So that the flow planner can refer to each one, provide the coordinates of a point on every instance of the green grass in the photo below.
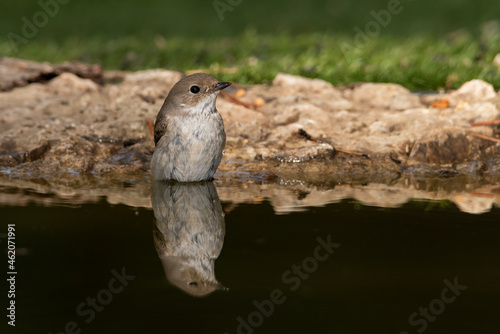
(259, 39)
(418, 63)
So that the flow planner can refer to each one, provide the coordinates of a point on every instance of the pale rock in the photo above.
(151, 84)
(305, 116)
(283, 133)
(480, 112)
(152, 76)
(334, 104)
(379, 127)
(385, 96)
(68, 82)
(316, 91)
(298, 83)
(242, 122)
(473, 91)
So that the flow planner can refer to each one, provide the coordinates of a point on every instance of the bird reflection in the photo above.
(188, 233)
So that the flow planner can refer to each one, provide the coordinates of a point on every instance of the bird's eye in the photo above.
(194, 89)
(193, 283)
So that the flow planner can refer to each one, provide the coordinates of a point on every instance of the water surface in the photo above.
(262, 264)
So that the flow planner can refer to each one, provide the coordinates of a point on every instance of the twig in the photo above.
(482, 192)
(496, 121)
(485, 195)
(351, 152)
(496, 140)
(488, 188)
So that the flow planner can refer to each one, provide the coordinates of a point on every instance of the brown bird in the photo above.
(189, 131)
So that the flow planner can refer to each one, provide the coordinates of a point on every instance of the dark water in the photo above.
(340, 268)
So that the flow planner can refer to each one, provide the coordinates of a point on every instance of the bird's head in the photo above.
(196, 91)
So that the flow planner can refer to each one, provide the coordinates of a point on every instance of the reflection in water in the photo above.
(188, 233)
(469, 193)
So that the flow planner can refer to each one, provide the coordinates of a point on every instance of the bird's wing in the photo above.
(160, 128)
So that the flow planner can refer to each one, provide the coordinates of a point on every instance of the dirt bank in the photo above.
(78, 119)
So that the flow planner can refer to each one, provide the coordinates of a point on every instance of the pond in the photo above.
(252, 257)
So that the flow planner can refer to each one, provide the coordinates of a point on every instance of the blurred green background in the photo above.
(423, 44)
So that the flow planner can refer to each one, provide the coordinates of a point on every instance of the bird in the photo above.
(189, 131)
(188, 233)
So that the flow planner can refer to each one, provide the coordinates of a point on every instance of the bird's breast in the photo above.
(191, 149)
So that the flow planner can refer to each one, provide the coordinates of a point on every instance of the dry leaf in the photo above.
(240, 93)
(441, 104)
(259, 102)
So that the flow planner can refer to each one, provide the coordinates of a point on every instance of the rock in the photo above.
(473, 91)
(304, 115)
(454, 146)
(316, 91)
(334, 105)
(152, 77)
(251, 130)
(14, 159)
(479, 112)
(68, 83)
(72, 124)
(295, 82)
(93, 72)
(18, 73)
(385, 96)
(151, 85)
(448, 146)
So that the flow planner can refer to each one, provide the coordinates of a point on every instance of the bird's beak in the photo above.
(221, 287)
(221, 85)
